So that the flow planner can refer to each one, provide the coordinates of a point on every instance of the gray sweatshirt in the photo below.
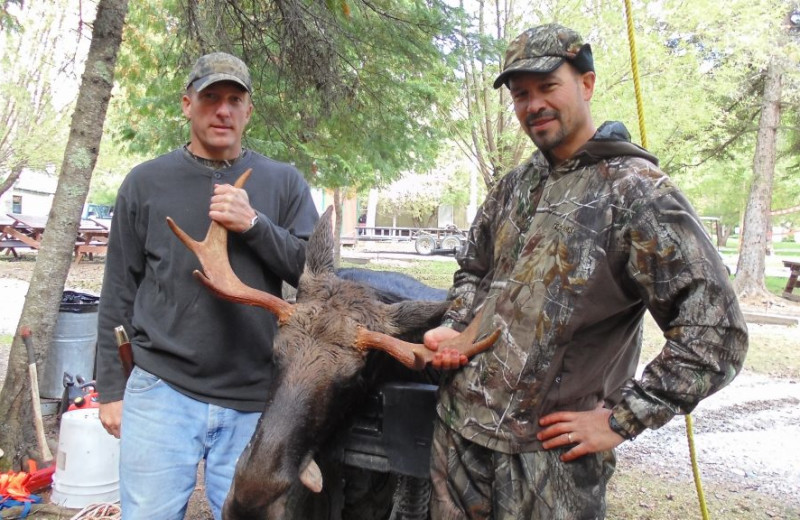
(210, 349)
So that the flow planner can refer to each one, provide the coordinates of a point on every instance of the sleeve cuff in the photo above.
(626, 421)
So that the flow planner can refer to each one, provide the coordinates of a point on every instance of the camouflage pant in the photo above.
(474, 482)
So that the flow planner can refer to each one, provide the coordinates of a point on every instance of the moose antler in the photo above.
(415, 355)
(217, 273)
(218, 276)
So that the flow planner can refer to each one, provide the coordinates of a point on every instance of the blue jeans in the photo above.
(165, 434)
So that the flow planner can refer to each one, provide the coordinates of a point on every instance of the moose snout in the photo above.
(252, 497)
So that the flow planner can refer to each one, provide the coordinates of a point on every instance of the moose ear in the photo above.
(319, 252)
(414, 318)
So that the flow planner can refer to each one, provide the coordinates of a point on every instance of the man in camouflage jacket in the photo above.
(564, 257)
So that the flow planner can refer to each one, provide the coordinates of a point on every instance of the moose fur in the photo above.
(318, 377)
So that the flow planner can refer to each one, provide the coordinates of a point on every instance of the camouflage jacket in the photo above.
(564, 261)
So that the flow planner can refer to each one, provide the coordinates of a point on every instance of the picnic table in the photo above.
(22, 231)
(25, 231)
(793, 281)
(92, 239)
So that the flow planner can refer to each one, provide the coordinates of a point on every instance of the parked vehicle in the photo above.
(99, 211)
(449, 241)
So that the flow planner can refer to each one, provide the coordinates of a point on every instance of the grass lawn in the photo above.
(776, 284)
(637, 495)
(430, 272)
(787, 248)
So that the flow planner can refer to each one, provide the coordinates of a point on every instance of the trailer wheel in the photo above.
(451, 242)
(425, 245)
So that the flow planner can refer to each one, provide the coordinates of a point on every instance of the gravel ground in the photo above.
(744, 436)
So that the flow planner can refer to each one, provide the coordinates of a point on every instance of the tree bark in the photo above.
(750, 281)
(337, 230)
(9, 181)
(41, 306)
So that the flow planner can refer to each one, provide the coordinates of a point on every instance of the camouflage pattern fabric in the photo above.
(534, 485)
(219, 66)
(542, 49)
(565, 261)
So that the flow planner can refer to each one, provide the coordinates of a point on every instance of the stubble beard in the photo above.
(546, 140)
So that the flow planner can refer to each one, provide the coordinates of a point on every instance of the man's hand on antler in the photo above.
(447, 358)
(230, 206)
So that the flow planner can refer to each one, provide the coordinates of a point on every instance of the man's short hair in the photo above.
(544, 48)
(219, 66)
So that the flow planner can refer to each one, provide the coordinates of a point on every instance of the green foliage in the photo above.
(354, 93)
(700, 82)
(34, 64)
(350, 89)
(723, 94)
(145, 114)
(8, 20)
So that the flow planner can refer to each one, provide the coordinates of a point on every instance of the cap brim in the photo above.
(540, 65)
(205, 81)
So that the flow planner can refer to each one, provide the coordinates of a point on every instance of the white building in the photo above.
(32, 194)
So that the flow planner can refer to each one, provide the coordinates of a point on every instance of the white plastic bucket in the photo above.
(87, 462)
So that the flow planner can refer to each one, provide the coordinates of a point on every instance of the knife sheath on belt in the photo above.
(125, 351)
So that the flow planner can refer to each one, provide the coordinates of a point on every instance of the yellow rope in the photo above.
(635, 69)
(640, 111)
(695, 469)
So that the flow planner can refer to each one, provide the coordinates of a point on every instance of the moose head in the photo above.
(319, 351)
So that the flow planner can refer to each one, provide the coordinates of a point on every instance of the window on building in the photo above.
(16, 204)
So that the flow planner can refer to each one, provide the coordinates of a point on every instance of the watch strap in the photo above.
(253, 223)
(616, 427)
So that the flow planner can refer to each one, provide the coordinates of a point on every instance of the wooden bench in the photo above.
(92, 240)
(27, 230)
(794, 280)
(8, 245)
(89, 250)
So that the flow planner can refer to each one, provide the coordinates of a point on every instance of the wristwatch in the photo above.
(253, 222)
(617, 428)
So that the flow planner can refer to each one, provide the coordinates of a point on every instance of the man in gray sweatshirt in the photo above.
(202, 364)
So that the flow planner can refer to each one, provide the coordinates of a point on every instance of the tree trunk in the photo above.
(9, 181)
(750, 282)
(486, 141)
(53, 260)
(725, 234)
(337, 226)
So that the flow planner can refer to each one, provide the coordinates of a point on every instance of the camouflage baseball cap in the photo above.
(219, 66)
(543, 49)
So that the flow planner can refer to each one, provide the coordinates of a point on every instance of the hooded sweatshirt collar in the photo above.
(611, 139)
